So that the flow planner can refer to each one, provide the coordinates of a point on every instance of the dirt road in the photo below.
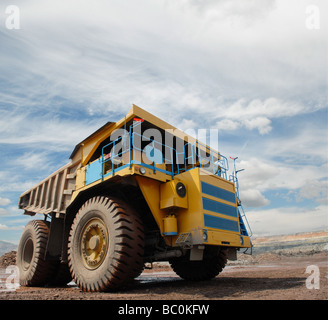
(268, 277)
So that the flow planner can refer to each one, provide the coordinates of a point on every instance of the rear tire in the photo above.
(34, 270)
(213, 263)
(106, 245)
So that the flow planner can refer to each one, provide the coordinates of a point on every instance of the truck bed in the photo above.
(53, 194)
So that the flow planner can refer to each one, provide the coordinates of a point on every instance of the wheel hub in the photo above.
(94, 243)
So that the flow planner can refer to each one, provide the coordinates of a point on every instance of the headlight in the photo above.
(181, 189)
(205, 236)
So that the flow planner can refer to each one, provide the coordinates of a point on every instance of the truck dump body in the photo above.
(163, 189)
(52, 195)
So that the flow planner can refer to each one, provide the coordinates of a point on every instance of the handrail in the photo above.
(243, 216)
(112, 155)
(155, 143)
(233, 177)
(219, 162)
(192, 154)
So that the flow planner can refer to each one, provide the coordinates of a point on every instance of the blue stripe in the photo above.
(170, 233)
(218, 192)
(220, 223)
(219, 207)
(152, 167)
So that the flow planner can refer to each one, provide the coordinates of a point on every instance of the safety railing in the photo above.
(115, 156)
(244, 225)
(233, 177)
(152, 154)
(135, 148)
(204, 157)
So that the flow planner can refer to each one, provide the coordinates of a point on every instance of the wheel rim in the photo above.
(94, 243)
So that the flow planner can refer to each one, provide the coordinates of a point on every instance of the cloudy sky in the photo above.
(255, 70)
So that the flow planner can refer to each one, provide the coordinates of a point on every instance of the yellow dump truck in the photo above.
(136, 191)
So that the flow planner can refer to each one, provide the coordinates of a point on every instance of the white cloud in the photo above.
(273, 174)
(4, 201)
(11, 211)
(260, 123)
(186, 124)
(32, 160)
(287, 220)
(253, 198)
(227, 124)
(187, 55)
(257, 114)
(3, 212)
(257, 174)
(315, 190)
(43, 131)
(4, 227)
(303, 182)
(18, 184)
(255, 180)
(307, 146)
(268, 108)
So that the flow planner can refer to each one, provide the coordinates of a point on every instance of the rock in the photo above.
(8, 259)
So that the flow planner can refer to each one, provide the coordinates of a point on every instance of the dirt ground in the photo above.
(264, 277)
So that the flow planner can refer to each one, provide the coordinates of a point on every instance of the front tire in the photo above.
(34, 270)
(106, 245)
(213, 263)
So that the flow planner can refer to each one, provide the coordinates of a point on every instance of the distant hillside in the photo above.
(292, 237)
(6, 247)
(299, 242)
